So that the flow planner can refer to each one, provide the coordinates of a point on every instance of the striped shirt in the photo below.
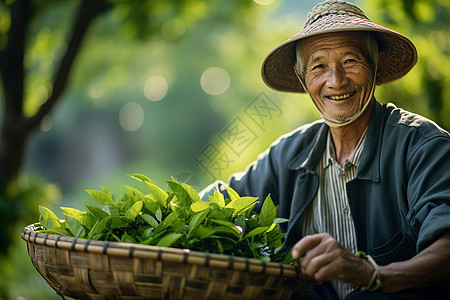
(330, 211)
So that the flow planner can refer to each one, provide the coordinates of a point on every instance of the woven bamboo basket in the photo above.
(89, 269)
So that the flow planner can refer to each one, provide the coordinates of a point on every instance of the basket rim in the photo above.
(164, 254)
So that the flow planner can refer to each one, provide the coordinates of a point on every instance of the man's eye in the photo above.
(318, 66)
(350, 60)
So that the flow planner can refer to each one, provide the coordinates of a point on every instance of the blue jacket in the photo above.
(399, 199)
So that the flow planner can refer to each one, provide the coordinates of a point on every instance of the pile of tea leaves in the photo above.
(175, 217)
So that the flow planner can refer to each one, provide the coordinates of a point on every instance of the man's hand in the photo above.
(324, 259)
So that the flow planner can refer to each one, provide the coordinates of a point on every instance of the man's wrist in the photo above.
(374, 282)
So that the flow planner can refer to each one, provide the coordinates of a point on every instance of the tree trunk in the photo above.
(16, 128)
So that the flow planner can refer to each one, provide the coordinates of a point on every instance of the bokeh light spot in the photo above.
(155, 88)
(131, 116)
(215, 81)
(173, 29)
(96, 90)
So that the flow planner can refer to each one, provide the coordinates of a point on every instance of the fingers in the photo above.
(323, 258)
(306, 243)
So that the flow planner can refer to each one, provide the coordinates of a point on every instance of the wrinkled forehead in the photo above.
(357, 41)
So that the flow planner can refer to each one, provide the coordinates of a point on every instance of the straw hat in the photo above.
(397, 52)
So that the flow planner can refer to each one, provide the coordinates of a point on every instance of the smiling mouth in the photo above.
(341, 97)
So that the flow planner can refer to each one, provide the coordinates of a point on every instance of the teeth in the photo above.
(339, 97)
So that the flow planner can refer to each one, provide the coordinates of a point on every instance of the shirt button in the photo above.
(346, 210)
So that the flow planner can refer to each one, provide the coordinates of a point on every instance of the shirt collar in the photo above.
(354, 159)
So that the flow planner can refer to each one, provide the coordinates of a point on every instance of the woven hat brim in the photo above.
(398, 53)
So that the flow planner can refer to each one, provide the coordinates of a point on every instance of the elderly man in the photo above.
(369, 177)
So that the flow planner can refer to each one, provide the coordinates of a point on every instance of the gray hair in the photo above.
(372, 47)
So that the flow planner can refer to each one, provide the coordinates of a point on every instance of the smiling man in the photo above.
(368, 178)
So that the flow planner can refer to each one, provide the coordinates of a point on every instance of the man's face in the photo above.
(339, 76)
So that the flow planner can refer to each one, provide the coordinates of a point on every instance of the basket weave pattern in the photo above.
(88, 269)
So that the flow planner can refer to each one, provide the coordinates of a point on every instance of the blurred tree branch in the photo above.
(16, 127)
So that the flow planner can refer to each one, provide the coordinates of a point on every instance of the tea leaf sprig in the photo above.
(176, 217)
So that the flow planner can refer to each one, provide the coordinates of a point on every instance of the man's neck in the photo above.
(346, 138)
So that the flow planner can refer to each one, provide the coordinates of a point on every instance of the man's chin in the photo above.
(341, 119)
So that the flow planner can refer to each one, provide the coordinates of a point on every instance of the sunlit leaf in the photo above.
(241, 204)
(77, 214)
(96, 212)
(141, 177)
(133, 211)
(232, 193)
(218, 199)
(47, 218)
(100, 197)
(159, 194)
(268, 212)
(199, 206)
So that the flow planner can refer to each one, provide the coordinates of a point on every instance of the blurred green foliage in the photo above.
(426, 89)
(18, 207)
(82, 144)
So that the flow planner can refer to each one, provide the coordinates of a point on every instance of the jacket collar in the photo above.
(369, 166)
(309, 159)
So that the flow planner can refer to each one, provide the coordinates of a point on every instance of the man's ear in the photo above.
(380, 67)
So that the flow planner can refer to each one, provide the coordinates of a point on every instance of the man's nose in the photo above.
(337, 78)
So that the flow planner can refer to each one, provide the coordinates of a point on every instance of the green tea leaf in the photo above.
(280, 220)
(112, 208)
(197, 219)
(47, 218)
(108, 192)
(218, 199)
(182, 195)
(268, 212)
(77, 214)
(199, 206)
(159, 194)
(158, 214)
(96, 212)
(225, 229)
(169, 239)
(58, 231)
(126, 238)
(151, 204)
(166, 222)
(87, 220)
(98, 227)
(75, 227)
(100, 197)
(134, 192)
(150, 220)
(256, 231)
(191, 192)
(241, 204)
(141, 177)
(204, 232)
(232, 193)
(227, 224)
(133, 211)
